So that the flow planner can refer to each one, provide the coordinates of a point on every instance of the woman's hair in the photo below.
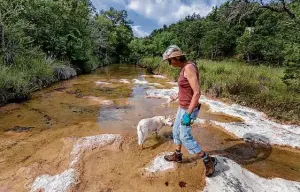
(181, 58)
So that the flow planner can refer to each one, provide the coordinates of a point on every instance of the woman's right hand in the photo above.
(173, 97)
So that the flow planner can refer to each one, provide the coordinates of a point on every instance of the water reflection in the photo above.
(122, 117)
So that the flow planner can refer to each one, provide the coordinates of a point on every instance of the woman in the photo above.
(189, 107)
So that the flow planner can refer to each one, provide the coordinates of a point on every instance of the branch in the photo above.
(292, 15)
(278, 9)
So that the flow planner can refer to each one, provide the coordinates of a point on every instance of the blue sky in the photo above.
(152, 14)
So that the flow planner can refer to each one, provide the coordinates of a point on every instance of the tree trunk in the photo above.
(248, 57)
(2, 42)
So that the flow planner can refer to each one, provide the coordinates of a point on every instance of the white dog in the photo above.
(151, 125)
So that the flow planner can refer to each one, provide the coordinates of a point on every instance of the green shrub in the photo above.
(28, 74)
(292, 76)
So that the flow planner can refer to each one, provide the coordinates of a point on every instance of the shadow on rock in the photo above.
(255, 148)
(155, 141)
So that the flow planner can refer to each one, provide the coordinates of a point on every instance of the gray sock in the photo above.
(204, 157)
(177, 151)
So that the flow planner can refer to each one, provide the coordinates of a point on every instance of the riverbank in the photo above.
(18, 82)
(260, 87)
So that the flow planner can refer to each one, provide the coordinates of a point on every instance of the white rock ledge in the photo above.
(93, 142)
(140, 82)
(56, 183)
(64, 181)
(256, 126)
(102, 83)
(159, 164)
(124, 81)
(155, 76)
(231, 177)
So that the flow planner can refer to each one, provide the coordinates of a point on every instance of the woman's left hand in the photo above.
(186, 119)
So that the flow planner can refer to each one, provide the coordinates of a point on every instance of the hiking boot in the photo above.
(209, 163)
(174, 157)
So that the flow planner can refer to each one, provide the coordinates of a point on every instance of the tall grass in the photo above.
(155, 65)
(13, 84)
(255, 86)
(28, 74)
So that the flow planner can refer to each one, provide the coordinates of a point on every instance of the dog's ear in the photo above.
(165, 117)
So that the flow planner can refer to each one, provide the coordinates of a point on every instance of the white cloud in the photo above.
(99, 5)
(163, 11)
(170, 11)
(103, 4)
(138, 32)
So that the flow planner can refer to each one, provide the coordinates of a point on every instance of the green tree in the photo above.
(113, 33)
(101, 35)
(292, 76)
(219, 37)
(162, 40)
(61, 28)
(13, 39)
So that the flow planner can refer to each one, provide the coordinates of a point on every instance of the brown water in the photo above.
(31, 135)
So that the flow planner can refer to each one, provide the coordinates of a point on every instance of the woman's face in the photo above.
(174, 62)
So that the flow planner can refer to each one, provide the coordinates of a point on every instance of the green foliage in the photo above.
(13, 40)
(161, 41)
(60, 28)
(290, 33)
(217, 41)
(292, 76)
(138, 49)
(13, 81)
(261, 43)
(111, 34)
(239, 78)
(20, 79)
(64, 72)
(157, 66)
(151, 63)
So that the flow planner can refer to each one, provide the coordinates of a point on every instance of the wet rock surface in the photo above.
(79, 108)
(70, 177)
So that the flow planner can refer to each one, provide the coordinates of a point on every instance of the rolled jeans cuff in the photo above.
(177, 142)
